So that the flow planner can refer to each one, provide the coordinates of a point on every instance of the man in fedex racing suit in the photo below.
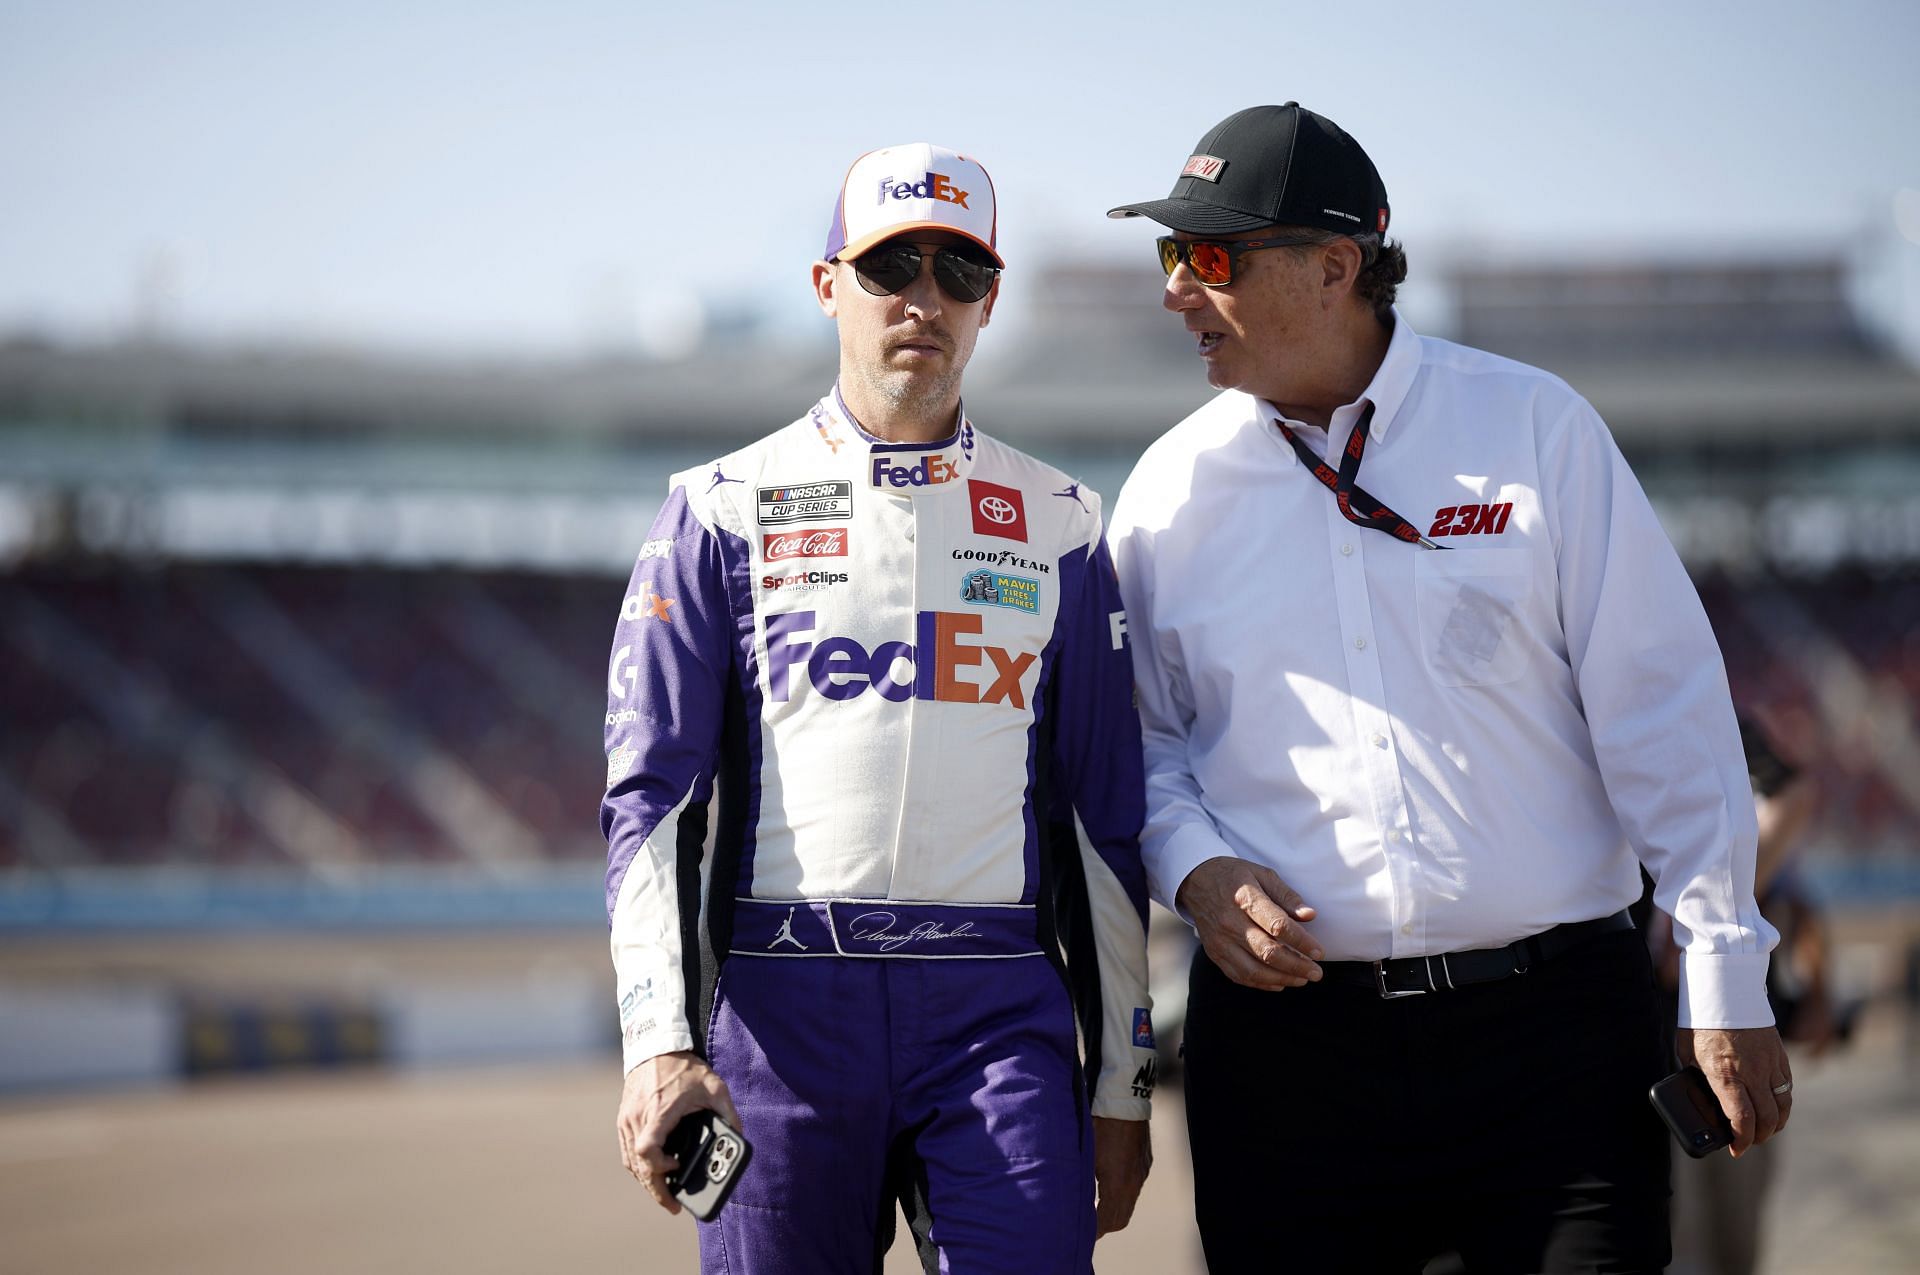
(873, 819)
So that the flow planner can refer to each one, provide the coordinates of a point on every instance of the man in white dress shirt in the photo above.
(1423, 684)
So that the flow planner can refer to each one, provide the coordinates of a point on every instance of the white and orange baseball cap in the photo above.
(918, 186)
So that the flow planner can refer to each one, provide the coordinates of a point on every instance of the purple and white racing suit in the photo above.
(873, 799)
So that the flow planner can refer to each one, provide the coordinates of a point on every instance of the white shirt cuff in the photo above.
(1189, 846)
(1724, 990)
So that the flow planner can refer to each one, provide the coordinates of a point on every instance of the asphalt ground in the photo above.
(515, 1169)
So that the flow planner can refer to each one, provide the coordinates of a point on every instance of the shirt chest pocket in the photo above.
(1472, 614)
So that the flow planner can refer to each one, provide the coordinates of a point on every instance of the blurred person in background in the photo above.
(1411, 728)
(873, 766)
(1718, 1202)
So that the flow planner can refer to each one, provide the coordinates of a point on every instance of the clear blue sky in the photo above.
(545, 176)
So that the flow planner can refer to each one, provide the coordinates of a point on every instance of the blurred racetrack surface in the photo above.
(514, 1170)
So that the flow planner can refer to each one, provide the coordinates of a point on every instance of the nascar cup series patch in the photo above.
(829, 501)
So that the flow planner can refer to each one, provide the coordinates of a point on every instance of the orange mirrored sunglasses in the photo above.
(1212, 260)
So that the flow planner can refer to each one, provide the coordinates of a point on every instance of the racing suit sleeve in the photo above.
(1096, 743)
(666, 690)
(1654, 691)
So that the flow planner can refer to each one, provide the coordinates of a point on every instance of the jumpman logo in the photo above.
(786, 932)
(1073, 493)
(719, 478)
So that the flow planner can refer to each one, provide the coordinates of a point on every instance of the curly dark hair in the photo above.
(1383, 267)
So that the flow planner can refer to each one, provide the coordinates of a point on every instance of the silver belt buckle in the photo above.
(1380, 981)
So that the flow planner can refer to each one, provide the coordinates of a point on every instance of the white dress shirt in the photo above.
(1441, 750)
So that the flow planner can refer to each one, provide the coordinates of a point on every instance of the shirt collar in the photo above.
(901, 469)
(1388, 390)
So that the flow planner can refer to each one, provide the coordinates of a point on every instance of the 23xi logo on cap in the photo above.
(997, 510)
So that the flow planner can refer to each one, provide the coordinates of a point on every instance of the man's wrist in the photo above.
(1724, 990)
(1175, 860)
(1131, 1109)
(636, 1049)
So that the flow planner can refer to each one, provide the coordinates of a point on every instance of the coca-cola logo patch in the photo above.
(827, 543)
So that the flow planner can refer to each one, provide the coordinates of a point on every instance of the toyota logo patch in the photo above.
(997, 510)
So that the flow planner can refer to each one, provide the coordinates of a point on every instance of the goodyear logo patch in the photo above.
(998, 589)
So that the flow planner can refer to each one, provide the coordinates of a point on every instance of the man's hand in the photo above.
(1249, 920)
(1745, 1066)
(658, 1094)
(1122, 1154)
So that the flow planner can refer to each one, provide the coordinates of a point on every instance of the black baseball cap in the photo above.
(1272, 166)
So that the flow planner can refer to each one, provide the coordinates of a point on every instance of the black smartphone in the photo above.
(712, 1155)
(1687, 1103)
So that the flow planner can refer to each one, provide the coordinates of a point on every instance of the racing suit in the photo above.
(873, 799)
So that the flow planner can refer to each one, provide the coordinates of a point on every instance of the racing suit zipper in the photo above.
(912, 532)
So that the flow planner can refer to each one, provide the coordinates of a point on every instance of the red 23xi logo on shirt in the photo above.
(1470, 520)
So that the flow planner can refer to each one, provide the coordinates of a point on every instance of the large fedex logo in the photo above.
(936, 665)
(931, 186)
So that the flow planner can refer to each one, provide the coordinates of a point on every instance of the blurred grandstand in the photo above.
(312, 642)
(302, 669)
(332, 612)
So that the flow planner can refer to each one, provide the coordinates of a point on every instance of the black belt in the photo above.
(1417, 975)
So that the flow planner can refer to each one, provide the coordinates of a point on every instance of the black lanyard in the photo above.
(1355, 504)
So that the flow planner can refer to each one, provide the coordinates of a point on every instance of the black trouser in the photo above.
(1336, 1131)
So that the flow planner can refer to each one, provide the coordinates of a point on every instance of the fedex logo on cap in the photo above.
(935, 666)
(916, 186)
(931, 186)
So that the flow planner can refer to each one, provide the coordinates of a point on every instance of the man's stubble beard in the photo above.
(907, 393)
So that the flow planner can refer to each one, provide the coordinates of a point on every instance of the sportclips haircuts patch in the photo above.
(806, 502)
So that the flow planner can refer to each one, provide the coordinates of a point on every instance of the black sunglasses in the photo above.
(1212, 260)
(885, 270)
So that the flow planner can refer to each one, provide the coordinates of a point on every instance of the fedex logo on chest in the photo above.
(928, 471)
(940, 664)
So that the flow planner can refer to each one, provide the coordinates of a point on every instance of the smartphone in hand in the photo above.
(712, 1155)
(1687, 1103)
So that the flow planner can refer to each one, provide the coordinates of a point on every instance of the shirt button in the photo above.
(1346, 551)
(1359, 644)
(1379, 741)
(909, 532)
(1407, 928)
(1393, 835)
